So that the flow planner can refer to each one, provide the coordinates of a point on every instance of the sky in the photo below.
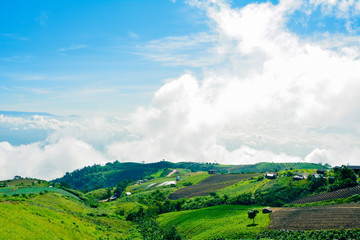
(235, 82)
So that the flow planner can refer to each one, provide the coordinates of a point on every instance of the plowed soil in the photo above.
(345, 216)
(210, 184)
(341, 193)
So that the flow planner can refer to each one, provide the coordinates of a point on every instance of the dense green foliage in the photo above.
(109, 175)
(345, 177)
(120, 188)
(149, 227)
(310, 235)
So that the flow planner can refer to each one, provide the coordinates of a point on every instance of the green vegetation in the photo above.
(222, 222)
(275, 167)
(345, 177)
(252, 214)
(50, 216)
(97, 176)
(36, 190)
(310, 235)
(194, 178)
(198, 206)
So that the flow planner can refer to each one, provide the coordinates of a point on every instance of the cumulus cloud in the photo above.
(47, 161)
(277, 97)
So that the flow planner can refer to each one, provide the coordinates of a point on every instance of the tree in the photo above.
(252, 214)
(345, 177)
(316, 183)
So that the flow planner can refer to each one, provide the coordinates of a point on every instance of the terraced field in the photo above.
(346, 216)
(341, 193)
(210, 184)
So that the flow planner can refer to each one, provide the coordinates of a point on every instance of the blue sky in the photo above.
(54, 54)
(235, 82)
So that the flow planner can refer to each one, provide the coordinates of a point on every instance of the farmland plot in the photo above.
(210, 184)
(341, 193)
(346, 216)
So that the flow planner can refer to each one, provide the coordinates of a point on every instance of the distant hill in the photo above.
(24, 114)
(274, 167)
(109, 175)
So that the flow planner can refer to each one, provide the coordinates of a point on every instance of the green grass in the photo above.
(52, 216)
(194, 178)
(26, 182)
(245, 186)
(226, 221)
(5, 190)
(40, 189)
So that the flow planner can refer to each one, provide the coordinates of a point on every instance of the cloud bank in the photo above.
(270, 95)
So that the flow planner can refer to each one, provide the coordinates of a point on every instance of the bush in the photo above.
(92, 202)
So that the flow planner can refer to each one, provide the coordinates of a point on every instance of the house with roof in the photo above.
(299, 176)
(271, 175)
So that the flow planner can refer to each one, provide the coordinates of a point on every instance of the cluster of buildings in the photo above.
(319, 173)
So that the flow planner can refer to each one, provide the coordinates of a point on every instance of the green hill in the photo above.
(109, 175)
(55, 216)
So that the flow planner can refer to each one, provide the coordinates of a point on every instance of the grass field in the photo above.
(36, 190)
(226, 221)
(51, 216)
(194, 178)
(210, 184)
(245, 186)
(25, 182)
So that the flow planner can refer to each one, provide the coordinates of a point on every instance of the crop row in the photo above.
(342, 193)
(210, 184)
(345, 216)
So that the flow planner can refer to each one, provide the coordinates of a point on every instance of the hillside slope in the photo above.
(52, 216)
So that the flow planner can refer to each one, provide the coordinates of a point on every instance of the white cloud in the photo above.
(134, 35)
(72, 47)
(15, 36)
(46, 161)
(192, 50)
(35, 122)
